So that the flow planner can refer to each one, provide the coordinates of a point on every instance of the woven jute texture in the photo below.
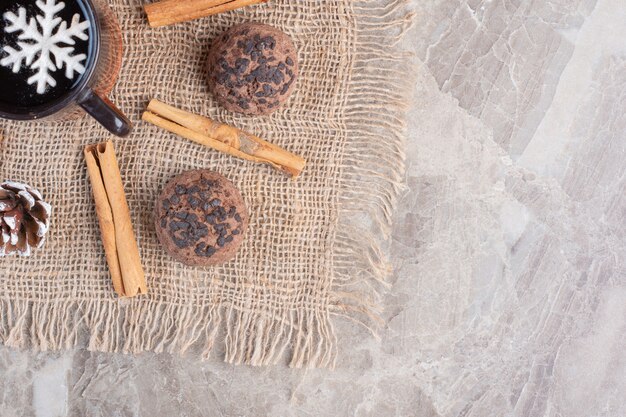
(311, 255)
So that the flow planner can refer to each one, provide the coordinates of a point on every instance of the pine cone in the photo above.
(24, 219)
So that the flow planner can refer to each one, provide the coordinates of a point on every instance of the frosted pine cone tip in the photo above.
(24, 219)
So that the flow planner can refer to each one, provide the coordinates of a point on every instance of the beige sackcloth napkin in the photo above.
(311, 255)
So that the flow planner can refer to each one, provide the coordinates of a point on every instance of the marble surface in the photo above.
(509, 296)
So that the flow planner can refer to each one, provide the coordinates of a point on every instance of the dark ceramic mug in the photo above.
(89, 93)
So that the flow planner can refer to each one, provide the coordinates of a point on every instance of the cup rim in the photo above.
(47, 109)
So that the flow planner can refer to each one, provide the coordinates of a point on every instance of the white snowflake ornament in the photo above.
(40, 44)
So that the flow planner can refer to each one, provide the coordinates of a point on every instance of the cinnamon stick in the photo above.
(168, 12)
(118, 238)
(222, 137)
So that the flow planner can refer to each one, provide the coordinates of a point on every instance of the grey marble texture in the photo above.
(509, 247)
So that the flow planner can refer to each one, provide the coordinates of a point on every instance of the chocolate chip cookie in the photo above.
(201, 218)
(253, 68)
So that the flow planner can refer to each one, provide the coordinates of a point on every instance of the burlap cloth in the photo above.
(311, 252)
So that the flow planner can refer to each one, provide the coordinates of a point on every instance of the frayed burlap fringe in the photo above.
(381, 90)
(251, 337)
(254, 321)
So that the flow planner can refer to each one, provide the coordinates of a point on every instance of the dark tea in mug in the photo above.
(46, 49)
(56, 56)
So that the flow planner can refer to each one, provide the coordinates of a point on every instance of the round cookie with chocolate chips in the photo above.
(253, 68)
(201, 218)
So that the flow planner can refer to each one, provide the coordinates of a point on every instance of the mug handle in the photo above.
(105, 112)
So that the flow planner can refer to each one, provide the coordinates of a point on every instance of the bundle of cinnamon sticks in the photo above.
(116, 228)
(168, 12)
